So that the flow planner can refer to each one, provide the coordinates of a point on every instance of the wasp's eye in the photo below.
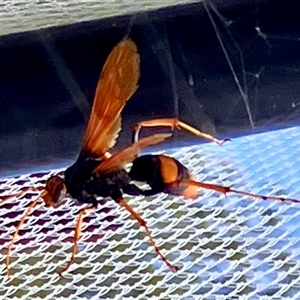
(55, 191)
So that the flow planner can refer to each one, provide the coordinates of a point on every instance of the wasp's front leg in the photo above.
(83, 197)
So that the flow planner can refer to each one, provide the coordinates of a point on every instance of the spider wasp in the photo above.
(98, 173)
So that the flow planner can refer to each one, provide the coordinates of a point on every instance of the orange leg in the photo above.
(226, 189)
(82, 213)
(7, 199)
(27, 213)
(173, 123)
(142, 223)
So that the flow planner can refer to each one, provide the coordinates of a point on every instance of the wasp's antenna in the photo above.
(8, 198)
(27, 213)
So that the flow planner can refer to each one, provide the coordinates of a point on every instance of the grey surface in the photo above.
(21, 15)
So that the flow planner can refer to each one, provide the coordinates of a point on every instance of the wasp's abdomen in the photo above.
(183, 189)
(162, 173)
(173, 171)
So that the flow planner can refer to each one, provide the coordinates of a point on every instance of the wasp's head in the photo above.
(55, 191)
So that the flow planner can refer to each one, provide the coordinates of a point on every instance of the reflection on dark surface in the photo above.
(219, 67)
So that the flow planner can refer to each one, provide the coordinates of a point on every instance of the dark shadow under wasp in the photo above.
(97, 173)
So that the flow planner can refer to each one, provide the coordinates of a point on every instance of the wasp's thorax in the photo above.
(55, 191)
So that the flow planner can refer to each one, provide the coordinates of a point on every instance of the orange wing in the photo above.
(127, 155)
(117, 83)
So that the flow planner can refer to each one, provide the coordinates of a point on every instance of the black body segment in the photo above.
(77, 175)
(111, 184)
(84, 185)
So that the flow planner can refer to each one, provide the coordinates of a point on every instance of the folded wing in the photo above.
(125, 156)
(117, 83)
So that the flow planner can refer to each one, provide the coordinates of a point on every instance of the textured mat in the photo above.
(233, 246)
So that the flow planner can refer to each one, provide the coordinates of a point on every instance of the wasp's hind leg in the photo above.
(226, 189)
(173, 123)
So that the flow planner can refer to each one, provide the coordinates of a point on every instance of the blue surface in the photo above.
(226, 246)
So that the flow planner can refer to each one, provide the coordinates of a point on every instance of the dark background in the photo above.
(48, 77)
